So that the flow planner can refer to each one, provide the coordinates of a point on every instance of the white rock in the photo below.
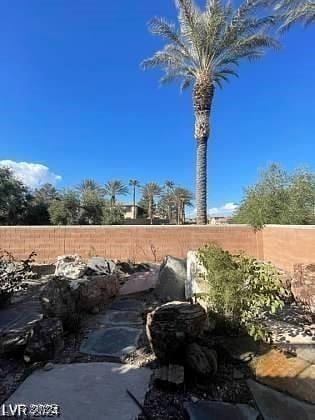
(101, 266)
(195, 282)
(70, 266)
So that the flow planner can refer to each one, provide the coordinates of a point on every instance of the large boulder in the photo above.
(101, 266)
(171, 281)
(303, 284)
(60, 300)
(195, 281)
(65, 299)
(45, 341)
(71, 267)
(95, 291)
(171, 327)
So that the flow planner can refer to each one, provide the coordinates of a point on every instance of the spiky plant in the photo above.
(293, 11)
(204, 50)
(113, 189)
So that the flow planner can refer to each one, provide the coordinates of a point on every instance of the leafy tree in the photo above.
(301, 200)
(37, 210)
(204, 51)
(65, 210)
(293, 11)
(150, 191)
(91, 202)
(113, 215)
(91, 207)
(279, 198)
(14, 198)
(113, 189)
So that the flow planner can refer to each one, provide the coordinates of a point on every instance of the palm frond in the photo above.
(211, 41)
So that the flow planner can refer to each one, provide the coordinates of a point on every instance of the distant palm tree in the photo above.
(182, 198)
(204, 51)
(150, 191)
(113, 189)
(88, 185)
(134, 183)
(169, 187)
(293, 11)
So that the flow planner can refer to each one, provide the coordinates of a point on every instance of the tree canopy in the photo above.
(279, 198)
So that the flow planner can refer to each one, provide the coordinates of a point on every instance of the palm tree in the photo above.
(115, 188)
(181, 197)
(88, 185)
(204, 51)
(169, 186)
(149, 192)
(134, 183)
(296, 10)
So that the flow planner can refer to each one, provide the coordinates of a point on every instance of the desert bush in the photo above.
(241, 289)
(13, 273)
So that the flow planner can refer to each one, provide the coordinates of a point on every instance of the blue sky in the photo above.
(73, 98)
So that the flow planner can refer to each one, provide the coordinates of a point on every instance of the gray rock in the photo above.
(70, 266)
(278, 406)
(87, 390)
(202, 361)
(60, 300)
(171, 280)
(171, 375)
(66, 299)
(102, 266)
(214, 410)
(95, 291)
(45, 341)
(49, 366)
(16, 325)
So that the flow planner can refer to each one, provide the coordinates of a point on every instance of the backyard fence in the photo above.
(284, 246)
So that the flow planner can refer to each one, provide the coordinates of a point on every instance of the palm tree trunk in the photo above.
(134, 202)
(151, 210)
(203, 96)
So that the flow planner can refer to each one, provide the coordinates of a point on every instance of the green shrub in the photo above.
(241, 288)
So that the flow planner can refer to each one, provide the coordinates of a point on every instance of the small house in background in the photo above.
(132, 212)
(219, 220)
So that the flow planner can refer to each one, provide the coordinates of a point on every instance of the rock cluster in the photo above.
(79, 287)
(45, 340)
(13, 275)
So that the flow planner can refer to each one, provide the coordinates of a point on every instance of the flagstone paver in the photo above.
(87, 390)
(275, 405)
(119, 333)
(215, 410)
(113, 342)
(128, 305)
(131, 318)
(287, 373)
